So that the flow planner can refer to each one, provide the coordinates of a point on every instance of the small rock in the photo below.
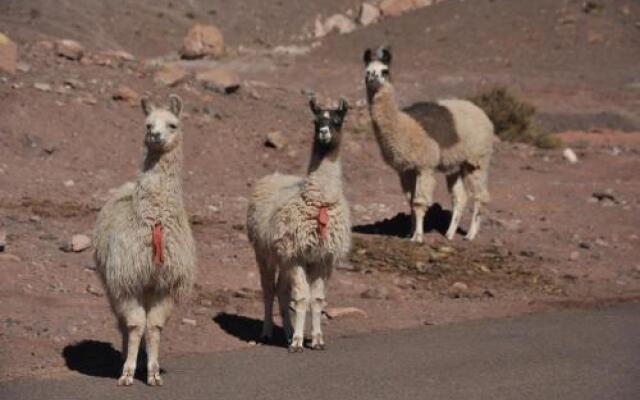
(221, 80)
(394, 8)
(69, 183)
(458, 289)
(489, 293)
(125, 93)
(206, 302)
(23, 67)
(574, 256)
(109, 57)
(530, 197)
(379, 293)
(43, 87)
(77, 244)
(570, 155)
(344, 312)
(584, 245)
(595, 38)
(339, 23)
(276, 140)
(35, 218)
(3, 240)
(94, 291)
(213, 208)
(369, 14)
(189, 321)
(88, 99)
(201, 41)
(592, 6)
(602, 243)
(9, 257)
(74, 83)
(8, 55)
(170, 76)
(69, 49)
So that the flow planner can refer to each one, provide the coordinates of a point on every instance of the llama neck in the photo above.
(384, 113)
(324, 176)
(159, 185)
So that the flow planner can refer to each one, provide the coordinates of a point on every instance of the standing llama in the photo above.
(454, 137)
(300, 229)
(144, 248)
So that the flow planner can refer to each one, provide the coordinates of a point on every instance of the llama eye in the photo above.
(385, 72)
(173, 126)
(149, 127)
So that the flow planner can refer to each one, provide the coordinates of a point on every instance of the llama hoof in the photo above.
(417, 238)
(470, 237)
(317, 343)
(296, 345)
(450, 235)
(125, 380)
(154, 380)
(295, 349)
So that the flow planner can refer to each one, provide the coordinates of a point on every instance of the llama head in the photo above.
(377, 67)
(162, 124)
(328, 123)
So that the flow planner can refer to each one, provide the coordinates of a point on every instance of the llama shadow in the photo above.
(437, 219)
(101, 359)
(248, 329)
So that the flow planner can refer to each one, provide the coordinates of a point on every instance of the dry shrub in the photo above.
(514, 119)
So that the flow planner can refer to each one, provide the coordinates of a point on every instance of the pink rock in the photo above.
(8, 55)
(201, 41)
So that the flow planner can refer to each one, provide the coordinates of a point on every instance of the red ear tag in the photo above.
(158, 258)
(323, 222)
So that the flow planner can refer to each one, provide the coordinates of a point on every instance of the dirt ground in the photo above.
(557, 234)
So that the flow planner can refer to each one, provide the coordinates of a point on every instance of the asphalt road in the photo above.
(577, 354)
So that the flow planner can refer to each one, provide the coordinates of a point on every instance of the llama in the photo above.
(454, 137)
(145, 252)
(300, 229)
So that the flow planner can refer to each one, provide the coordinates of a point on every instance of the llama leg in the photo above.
(408, 183)
(157, 316)
(134, 318)
(283, 289)
(300, 304)
(422, 200)
(318, 296)
(459, 200)
(267, 281)
(477, 180)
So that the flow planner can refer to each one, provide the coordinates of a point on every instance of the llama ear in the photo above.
(175, 105)
(367, 56)
(147, 105)
(314, 106)
(343, 107)
(384, 54)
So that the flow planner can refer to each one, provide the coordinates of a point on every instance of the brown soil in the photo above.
(579, 69)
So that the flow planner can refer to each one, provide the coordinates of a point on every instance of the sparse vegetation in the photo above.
(514, 119)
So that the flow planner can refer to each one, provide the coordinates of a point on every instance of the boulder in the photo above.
(69, 49)
(221, 80)
(125, 93)
(8, 55)
(202, 41)
(368, 15)
(339, 23)
(170, 75)
(276, 140)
